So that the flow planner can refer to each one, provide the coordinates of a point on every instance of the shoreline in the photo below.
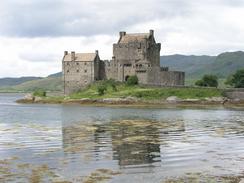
(134, 102)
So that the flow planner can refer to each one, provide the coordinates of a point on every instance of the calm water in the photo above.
(53, 143)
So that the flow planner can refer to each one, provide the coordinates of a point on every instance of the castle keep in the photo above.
(133, 54)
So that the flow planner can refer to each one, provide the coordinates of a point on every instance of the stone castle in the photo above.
(134, 54)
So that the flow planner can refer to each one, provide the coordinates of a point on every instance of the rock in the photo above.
(132, 98)
(215, 99)
(29, 96)
(242, 180)
(119, 100)
(37, 99)
(173, 99)
(191, 100)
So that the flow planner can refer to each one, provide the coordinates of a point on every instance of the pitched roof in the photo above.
(134, 37)
(81, 57)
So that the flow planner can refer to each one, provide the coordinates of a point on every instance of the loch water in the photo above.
(72, 143)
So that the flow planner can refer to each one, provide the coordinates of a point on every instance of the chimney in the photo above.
(72, 56)
(65, 53)
(96, 52)
(151, 32)
(122, 33)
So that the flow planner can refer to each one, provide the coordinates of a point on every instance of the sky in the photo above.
(35, 33)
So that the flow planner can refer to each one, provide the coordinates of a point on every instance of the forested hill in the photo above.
(196, 66)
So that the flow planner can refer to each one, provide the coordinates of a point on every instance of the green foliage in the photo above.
(146, 93)
(236, 80)
(101, 89)
(40, 93)
(112, 83)
(163, 93)
(132, 80)
(208, 81)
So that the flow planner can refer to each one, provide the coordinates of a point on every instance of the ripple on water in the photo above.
(119, 149)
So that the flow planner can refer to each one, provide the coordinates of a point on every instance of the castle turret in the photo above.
(72, 56)
(122, 33)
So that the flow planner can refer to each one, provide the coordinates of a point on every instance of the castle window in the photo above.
(85, 63)
(67, 63)
(85, 71)
(67, 71)
(77, 70)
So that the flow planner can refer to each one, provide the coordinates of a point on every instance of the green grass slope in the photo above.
(47, 84)
(147, 93)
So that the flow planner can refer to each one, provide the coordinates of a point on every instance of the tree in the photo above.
(208, 81)
(132, 80)
(39, 93)
(236, 80)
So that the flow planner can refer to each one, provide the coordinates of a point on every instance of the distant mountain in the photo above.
(15, 81)
(196, 66)
(48, 84)
(58, 74)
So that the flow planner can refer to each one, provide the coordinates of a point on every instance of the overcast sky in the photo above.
(35, 33)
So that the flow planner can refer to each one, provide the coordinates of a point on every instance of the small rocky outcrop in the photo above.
(173, 99)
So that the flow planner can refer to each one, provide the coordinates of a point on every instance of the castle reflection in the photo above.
(128, 142)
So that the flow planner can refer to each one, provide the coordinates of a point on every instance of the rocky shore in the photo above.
(170, 101)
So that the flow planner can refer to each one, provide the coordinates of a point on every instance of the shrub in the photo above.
(132, 80)
(39, 93)
(208, 81)
(101, 89)
(200, 83)
(112, 83)
(236, 80)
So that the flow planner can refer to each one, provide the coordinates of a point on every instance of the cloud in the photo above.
(34, 33)
(43, 56)
(45, 18)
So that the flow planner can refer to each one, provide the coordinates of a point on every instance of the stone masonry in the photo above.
(133, 54)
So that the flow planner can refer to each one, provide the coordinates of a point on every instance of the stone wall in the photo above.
(235, 93)
(111, 70)
(77, 75)
(172, 78)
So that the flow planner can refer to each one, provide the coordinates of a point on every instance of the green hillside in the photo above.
(196, 66)
(15, 81)
(188, 64)
(48, 84)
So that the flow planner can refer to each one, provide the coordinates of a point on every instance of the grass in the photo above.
(147, 93)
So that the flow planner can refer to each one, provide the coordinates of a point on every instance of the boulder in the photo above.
(29, 96)
(37, 99)
(173, 99)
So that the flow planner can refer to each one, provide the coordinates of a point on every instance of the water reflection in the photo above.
(54, 143)
(130, 142)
